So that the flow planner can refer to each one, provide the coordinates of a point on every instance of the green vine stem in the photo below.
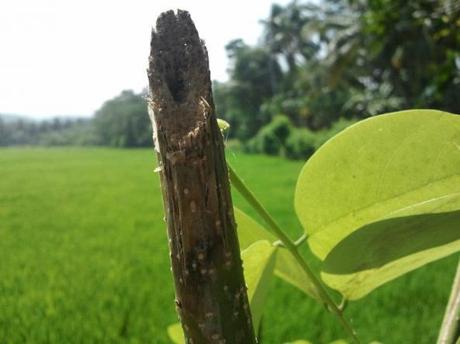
(293, 248)
(450, 329)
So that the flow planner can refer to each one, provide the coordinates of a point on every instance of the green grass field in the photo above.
(84, 258)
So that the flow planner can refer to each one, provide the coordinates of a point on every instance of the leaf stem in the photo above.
(450, 329)
(279, 243)
(292, 247)
(343, 304)
(301, 240)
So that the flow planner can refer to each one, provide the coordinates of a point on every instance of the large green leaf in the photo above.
(389, 248)
(384, 195)
(258, 263)
(287, 268)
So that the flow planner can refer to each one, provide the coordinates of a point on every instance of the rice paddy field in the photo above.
(84, 257)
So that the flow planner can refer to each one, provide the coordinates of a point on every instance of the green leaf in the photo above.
(379, 193)
(176, 334)
(290, 271)
(249, 231)
(223, 125)
(299, 341)
(287, 268)
(258, 262)
(388, 248)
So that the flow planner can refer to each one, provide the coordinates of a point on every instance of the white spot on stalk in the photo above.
(154, 127)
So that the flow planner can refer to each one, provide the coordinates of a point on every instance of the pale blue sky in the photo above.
(63, 57)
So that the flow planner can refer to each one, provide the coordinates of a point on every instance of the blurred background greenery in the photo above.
(317, 68)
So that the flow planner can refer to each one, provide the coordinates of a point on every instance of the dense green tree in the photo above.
(288, 36)
(395, 53)
(120, 122)
(123, 121)
(47, 133)
(4, 133)
(420, 55)
(345, 58)
(253, 72)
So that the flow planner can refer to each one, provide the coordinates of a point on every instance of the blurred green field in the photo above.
(84, 259)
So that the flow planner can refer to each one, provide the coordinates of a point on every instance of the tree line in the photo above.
(342, 60)
(120, 122)
(316, 69)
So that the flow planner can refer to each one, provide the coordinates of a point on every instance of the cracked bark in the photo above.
(211, 297)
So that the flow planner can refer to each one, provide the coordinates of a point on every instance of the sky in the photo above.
(66, 57)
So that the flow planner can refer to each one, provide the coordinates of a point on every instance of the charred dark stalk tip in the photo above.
(211, 295)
